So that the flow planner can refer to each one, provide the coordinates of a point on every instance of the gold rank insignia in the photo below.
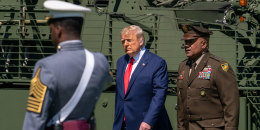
(225, 67)
(36, 94)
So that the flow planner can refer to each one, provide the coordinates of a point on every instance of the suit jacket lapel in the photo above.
(141, 65)
(122, 73)
(200, 66)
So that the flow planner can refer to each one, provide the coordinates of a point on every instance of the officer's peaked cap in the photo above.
(193, 32)
(62, 9)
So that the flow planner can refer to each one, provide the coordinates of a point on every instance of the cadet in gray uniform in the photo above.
(56, 78)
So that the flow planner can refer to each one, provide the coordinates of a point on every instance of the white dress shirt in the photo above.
(136, 61)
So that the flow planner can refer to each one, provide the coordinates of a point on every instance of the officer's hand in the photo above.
(145, 126)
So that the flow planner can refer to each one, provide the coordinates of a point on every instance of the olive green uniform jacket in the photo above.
(208, 98)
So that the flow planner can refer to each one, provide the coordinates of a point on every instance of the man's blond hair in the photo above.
(136, 29)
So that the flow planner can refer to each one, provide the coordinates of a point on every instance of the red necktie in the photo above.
(128, 73)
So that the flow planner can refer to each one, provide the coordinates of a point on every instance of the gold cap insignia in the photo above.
(224, 67)
(36, 94)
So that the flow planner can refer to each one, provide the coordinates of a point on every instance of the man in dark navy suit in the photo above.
(142, 83)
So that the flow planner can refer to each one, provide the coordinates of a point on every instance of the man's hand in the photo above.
(145, 126)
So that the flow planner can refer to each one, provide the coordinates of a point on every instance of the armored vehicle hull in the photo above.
(25, 38)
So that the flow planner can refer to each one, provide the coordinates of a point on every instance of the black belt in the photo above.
(204, 117)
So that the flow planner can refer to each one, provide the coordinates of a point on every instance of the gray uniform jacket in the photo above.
(55, 79)
(208, 98)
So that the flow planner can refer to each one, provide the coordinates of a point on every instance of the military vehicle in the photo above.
(25, 38)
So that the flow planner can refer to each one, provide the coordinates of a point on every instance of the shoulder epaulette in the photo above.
(185, 60)
(223, 64)
(216, 58)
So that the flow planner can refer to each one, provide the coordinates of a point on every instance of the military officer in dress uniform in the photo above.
(208, 96)
(66, 86)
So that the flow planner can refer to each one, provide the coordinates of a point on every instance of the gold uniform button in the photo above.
(203, 93)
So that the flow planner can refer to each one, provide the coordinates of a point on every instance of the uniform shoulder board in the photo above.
(216, 58)
(184, 60)
(223, 64)
(36, 94)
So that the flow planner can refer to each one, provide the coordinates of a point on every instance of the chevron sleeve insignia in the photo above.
(36, 94)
